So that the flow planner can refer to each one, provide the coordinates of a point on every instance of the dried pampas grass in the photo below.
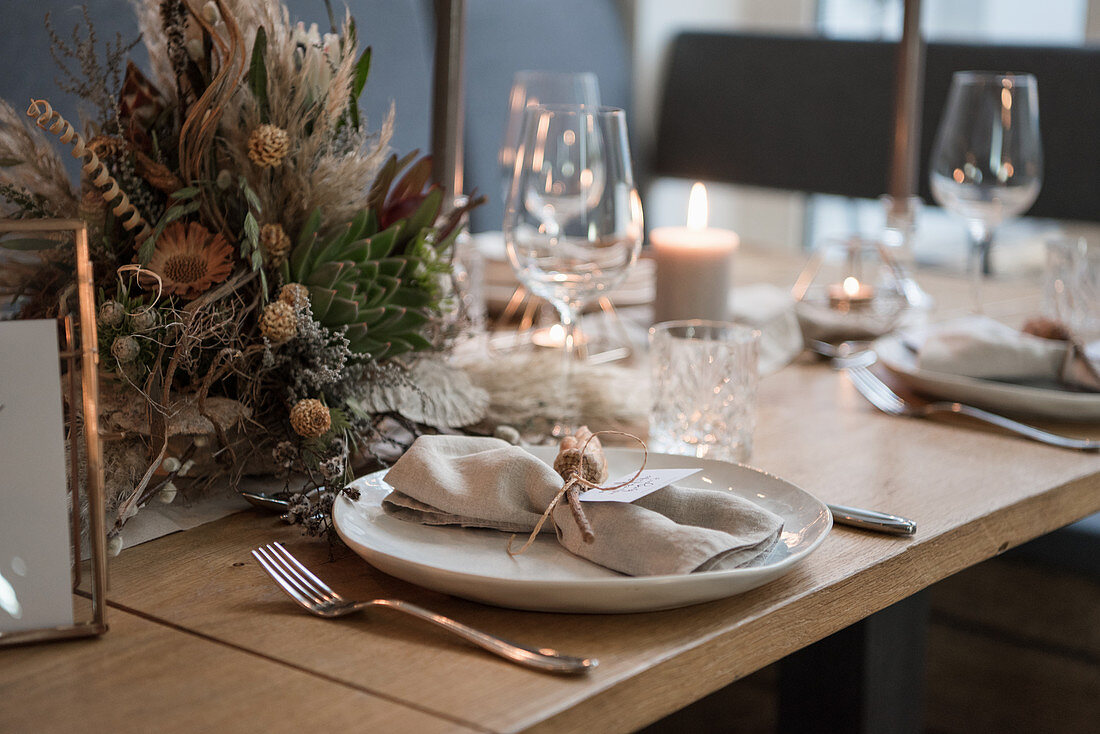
(317, 173)
(31, 163)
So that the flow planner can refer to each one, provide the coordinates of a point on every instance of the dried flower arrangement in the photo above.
(263, 266)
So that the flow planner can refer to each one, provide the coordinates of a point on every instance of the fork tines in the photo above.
(875, 391)
(295, 579)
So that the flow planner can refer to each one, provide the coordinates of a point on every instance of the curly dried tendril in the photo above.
(144, 276)
(51, 121)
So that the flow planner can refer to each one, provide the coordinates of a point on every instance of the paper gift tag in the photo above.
(648, 482)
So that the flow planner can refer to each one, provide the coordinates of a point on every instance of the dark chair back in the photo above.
(815, 115)
(506, 36)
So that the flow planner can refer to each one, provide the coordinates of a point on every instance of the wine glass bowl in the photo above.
(573, 219)
(987, 159)
(532, 88)
(570, 177)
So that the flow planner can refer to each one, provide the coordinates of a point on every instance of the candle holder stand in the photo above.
(850, 290)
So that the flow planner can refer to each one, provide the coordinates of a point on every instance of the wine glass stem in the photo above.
(981, 264)
(981, 239)
(567, 313)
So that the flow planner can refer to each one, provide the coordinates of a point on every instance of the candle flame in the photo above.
(557, 334)
(697, 207)
(850, 286)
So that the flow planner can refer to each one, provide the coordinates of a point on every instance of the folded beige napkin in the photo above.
(770, 309)
(488, 483)
(978, 346)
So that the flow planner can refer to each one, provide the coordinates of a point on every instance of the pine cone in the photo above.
(268, 146)
(275, 243)
(295, 294)
(279, 323)
(310, 418)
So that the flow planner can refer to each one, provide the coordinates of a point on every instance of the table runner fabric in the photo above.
(978, 346)
(488, 483)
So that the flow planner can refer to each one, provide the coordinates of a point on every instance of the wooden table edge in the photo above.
(616, 708)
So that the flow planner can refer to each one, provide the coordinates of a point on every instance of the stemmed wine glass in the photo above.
(572, 218)
(541, 88)
(987, 160)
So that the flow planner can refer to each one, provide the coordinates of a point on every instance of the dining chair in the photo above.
(506, 36)
(815, 115)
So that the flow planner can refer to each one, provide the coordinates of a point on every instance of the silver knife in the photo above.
(872, 520)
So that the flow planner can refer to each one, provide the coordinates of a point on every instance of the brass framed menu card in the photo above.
(50, 456)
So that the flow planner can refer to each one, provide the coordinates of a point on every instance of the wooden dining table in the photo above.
(200, 638)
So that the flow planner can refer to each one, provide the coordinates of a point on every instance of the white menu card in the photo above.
(35, 580)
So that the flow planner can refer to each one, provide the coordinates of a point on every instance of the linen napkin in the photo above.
(978, 346)
(772, 310)
(488, 483)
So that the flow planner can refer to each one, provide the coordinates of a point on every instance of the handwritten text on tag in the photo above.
(648, 482)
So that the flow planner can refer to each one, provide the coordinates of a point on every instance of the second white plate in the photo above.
(473, 564)
(1038, 402)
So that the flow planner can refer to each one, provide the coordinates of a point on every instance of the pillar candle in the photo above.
(694, 265)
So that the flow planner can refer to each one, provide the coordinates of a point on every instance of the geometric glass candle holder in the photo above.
(850, 290)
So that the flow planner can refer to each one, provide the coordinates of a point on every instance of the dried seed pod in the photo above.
(592, 466)
(580, 457)
(125, 349)
(310, 418)
(295, 295)
(144, 319)
(111, 313)
(279, 323)
(275, 243)
(268, 145)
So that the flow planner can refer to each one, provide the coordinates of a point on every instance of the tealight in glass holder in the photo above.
(850, 290)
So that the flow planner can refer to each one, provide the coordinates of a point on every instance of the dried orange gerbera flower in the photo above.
(190, 258)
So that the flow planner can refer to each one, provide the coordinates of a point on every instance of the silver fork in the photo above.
(316, 597)
(886, 400)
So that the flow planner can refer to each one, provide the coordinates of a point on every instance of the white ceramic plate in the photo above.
(1038, 402)
(473, 563)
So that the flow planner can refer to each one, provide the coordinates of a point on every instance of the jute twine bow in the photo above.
(570, 489)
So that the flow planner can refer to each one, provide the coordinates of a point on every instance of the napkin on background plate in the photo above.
(978, 346)
(488, 483)
(771, 310)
